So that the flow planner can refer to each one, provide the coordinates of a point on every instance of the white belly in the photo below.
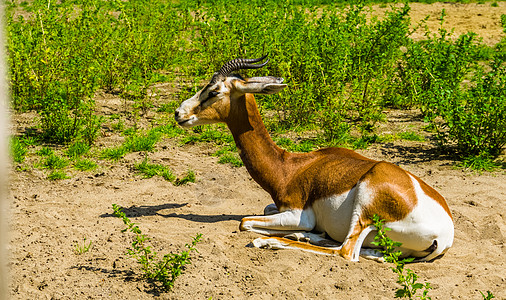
(333, 214)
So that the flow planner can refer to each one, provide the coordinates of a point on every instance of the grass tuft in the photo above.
(18, 150)
(85, 165)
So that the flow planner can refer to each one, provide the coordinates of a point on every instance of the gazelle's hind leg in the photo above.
(316, 243)
(352, 245)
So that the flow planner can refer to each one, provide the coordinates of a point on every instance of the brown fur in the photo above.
(294, 180)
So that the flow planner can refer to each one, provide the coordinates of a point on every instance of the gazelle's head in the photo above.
(212, 103)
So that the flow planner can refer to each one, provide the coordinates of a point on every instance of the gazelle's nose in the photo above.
(176, 114)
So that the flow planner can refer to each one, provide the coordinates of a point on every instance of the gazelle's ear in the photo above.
(260, 85)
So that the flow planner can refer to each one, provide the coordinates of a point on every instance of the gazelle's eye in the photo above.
(210, 95)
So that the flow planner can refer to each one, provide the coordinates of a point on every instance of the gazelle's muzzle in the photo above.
(185, 113)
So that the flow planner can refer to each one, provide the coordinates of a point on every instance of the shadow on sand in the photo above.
(154, 210)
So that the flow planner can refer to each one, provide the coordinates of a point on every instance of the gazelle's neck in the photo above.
(261, 156)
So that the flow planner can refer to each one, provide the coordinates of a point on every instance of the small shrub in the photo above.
(164, 271)
(406, 277)
(475, 119)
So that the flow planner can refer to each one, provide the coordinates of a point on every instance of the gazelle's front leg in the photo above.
(280, 224)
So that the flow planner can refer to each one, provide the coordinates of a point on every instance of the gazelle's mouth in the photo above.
(181, 123)
(189, 122)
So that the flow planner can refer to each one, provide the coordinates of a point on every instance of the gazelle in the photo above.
(334, 191)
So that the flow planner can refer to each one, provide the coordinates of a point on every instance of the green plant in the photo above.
(480, 162)
(149, 170)
(57, 62)
(230, 158)
(57, 175)
(142, 142)
(81, 249)
(119, 125)
(411, 136)
(77, 149)
(85, 165)
(53, 161)
(475, 119)
(165, 270)
(406, 277)
(18, 150)
(45, 151)
(209, 134)
(488, 296)
(114, 153)
(189, 177)
(170, 130)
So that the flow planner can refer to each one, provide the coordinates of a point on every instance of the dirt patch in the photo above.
(49, 218)
(482, 19)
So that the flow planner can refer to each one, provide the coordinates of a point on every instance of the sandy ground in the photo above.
(49, 218)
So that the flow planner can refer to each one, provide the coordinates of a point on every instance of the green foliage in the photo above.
(64, 51)
(18, 150)
(475, 119)
(209, 134)
(189, 177)
(337, 74)
(77, 148)
(406, 277)
(472, 116)
(163, 271)
(349, 67)
(411, 136)
(488, 296)
(134, 142)
(81, 249)
(480, 162)
(289, 145)
(142, 142)
(114, 153)
(170, 130)
(53, 161)
(45, 151)
(85, 165)
(149, 170)
(57, 175)
(227, 157)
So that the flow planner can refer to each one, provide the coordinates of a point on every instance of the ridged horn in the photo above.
(242, 63)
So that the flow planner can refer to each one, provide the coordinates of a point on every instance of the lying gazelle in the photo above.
(334, 191)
